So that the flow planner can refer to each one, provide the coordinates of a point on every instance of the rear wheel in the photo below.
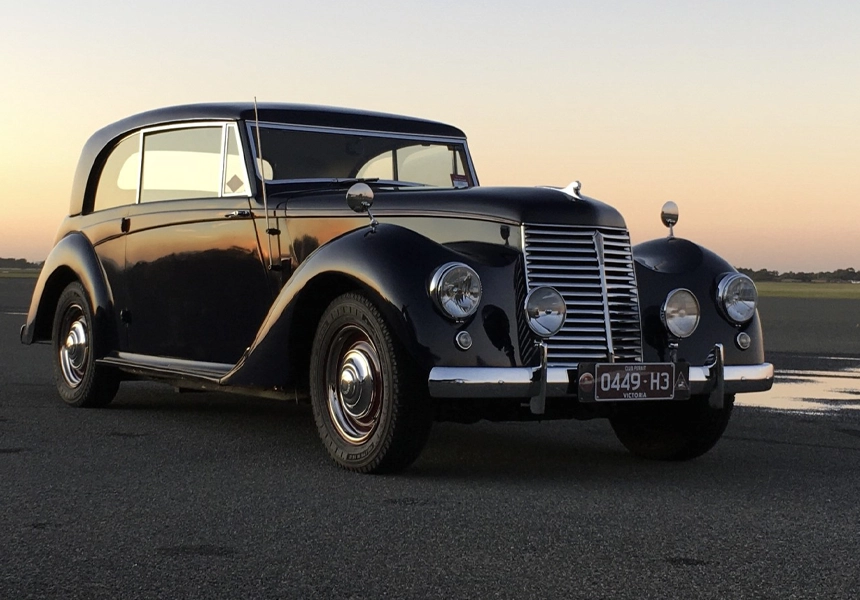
(368, 409)
(672, 431)
(80, 381)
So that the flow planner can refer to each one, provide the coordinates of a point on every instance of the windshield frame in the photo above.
(251, 127)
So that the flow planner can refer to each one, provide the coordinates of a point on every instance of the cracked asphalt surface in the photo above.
(166, 495)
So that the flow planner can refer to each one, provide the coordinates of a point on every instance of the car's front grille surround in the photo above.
(566, 257)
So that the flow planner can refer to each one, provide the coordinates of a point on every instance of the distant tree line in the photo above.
(837, 276)
(19, 263)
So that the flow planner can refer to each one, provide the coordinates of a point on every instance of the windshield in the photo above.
(290, 154)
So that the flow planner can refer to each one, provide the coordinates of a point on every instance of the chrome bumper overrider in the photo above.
(529, 382)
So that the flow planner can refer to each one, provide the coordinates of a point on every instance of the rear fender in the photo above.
(72, 259)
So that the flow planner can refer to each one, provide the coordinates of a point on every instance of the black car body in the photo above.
(232, 247)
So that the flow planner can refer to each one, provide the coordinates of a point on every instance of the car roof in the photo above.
(291, 114)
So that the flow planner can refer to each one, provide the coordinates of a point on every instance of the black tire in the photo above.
(80, 381)
(672, 431)
(368, 407)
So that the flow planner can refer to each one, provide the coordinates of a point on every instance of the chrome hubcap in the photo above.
(75, 349)
(354, 385)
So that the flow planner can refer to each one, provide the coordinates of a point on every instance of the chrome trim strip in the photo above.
(400, 212)
(481, 382)
(601, 270)
(736, 378)
(223, 160)
(521, 382)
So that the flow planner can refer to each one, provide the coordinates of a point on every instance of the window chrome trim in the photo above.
(224, 126)
(350, 131)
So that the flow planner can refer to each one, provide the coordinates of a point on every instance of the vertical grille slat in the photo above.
(566, 258)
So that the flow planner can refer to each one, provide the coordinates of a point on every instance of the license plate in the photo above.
(640, 381)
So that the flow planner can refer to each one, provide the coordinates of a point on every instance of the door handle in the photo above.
(238, 214)
(125, 225)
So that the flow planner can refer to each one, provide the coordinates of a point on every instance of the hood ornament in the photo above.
(572, 190)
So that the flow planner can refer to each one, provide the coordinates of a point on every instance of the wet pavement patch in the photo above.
(13, 450)
(196, 550)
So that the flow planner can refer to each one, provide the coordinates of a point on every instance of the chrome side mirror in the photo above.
(359, 197)
(669, 216)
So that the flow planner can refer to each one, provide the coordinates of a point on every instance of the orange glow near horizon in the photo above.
(744, 115)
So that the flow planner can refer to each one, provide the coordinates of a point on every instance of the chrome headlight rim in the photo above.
(543, 328)
(724, 288)
(671, 324)
(437, 290)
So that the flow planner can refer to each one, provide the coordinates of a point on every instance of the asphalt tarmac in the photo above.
(166, 495)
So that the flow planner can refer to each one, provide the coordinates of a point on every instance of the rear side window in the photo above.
(118, 181)
(182, 164)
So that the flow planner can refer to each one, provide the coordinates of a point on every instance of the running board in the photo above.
(163, 367)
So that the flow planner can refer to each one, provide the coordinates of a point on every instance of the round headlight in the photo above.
(737, 297)
(456, 288)
(545, 311)
(680, 313)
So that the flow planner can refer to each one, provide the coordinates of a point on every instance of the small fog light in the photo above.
(463, 340)
(545, 311)
(743, 340)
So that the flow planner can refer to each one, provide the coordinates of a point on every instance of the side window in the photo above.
(118, 180)
(382, 166)
(181, 164)
(235, 179)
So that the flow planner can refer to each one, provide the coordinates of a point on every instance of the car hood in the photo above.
(513, 205)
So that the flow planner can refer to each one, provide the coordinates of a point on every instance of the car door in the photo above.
(197, 286)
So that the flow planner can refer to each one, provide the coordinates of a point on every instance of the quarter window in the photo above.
(118, 180)
(235, 183)
(181, 164)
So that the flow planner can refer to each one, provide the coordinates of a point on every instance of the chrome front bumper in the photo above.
(538, 383)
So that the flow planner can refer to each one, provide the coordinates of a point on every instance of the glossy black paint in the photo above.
(196, 285)
(666, 264)
(391, 266)
(72, 258)
(511, 206)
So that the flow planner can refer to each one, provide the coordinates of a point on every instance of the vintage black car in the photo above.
(352, 259)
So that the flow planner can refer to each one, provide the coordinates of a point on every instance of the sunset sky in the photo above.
(745, 113)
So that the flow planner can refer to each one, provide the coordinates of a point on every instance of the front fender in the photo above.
(72, 258)
(666, 264)
(393, 266)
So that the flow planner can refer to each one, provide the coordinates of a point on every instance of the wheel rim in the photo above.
(353, 381)
(74, 349)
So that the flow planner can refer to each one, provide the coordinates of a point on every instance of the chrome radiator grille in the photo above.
(568, 258)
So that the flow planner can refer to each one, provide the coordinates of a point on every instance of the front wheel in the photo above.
(672, 431)
(80, 381)
(368, 406)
